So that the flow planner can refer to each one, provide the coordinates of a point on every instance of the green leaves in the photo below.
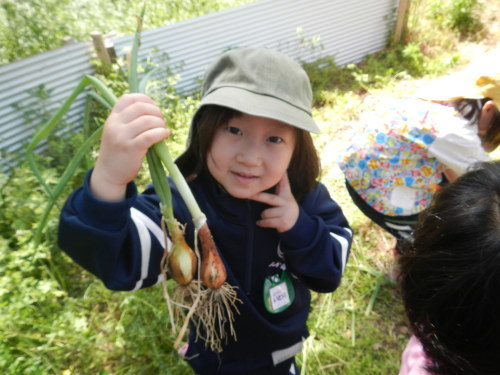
(28, 27)
(53, 193)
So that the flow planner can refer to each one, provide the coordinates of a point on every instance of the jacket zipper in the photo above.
(249, 249)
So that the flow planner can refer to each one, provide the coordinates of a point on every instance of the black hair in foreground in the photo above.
(450, 278)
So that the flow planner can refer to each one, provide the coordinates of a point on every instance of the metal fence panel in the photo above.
(348, 30)
(55, 72)
(307, 30)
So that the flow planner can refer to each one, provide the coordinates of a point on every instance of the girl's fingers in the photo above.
(131, 123)
(284, 211)
(137, 110)
(281, 221)
(143, 124)
(148, 138)
(267, 198)
(283, 189)
(136, 146)
(283, 194)
(129, 99)
(269, 223)
(272, 212)
(131, 111)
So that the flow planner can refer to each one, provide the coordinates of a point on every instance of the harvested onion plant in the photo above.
(179, 261)
(201, 292)
(215, 299)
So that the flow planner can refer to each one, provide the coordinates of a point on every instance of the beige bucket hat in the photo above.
(261, 82)
(479, 79)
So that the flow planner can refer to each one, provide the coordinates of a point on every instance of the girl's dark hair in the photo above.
(471, 110)
(450, 278)
(304, 168)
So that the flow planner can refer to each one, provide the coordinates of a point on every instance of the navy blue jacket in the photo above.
(122, 244)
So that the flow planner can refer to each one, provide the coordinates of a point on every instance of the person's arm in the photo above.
(119, 242)
(317, 247)
(315, 237)
(413, 360)
(104, 226)
(457, 144)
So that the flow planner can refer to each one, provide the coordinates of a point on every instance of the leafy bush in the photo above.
(438, 25)
(55, 317)
(403, 61)
(461, 16)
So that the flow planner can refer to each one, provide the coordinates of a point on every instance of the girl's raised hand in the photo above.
(284, 211)
(134, 125)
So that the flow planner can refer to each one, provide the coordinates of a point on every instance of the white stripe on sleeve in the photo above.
(150, 224)
(344, 246)
(145, 226)
(145, 241)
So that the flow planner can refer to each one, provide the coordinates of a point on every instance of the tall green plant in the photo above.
(437, 25)
(464, 17)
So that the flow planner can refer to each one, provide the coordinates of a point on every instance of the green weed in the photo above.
(461, 16)
(34, 26)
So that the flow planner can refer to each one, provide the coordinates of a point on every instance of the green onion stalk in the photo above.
(211, 299)
(219, 298)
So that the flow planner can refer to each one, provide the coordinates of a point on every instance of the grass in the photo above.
(360, 328)
(57, 319)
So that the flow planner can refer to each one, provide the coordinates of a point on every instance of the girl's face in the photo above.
(250, 154)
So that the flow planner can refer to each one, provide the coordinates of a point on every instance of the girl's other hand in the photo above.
(285, 211)
(134, 125)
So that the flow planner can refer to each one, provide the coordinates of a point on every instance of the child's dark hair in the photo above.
(450, 279)
(304, 168)
(471, 110)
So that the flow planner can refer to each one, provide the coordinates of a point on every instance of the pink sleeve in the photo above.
(413, 360)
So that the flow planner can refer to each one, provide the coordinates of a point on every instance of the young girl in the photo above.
(252, 167)
(406, 150)
(450, 280)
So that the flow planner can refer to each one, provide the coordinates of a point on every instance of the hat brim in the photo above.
(479, 79)
(452, 87)
(260, 105)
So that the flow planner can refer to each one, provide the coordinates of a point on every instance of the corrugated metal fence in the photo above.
(347, 30)
(57, 72)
